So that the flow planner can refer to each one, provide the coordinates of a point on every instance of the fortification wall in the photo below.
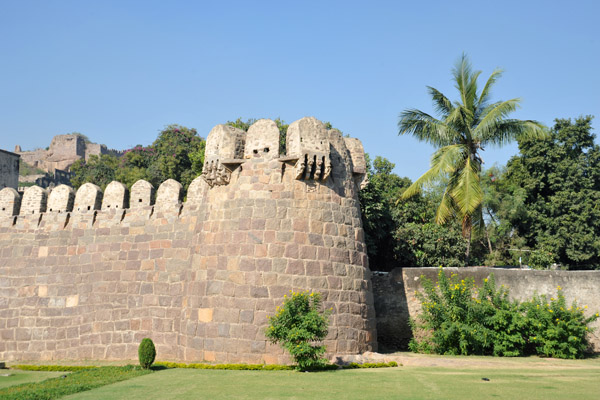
(87, 275)
(396, 303)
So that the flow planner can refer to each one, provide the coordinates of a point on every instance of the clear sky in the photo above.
(119, 71)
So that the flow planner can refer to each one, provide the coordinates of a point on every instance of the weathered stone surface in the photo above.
(88, 198)
(10, 202)
(116, 196)
(359, 163)
(61, 199)
(142, 194)
(307, 140)
(262, 140)
(169, 196)
(35, 200)
(224, 144)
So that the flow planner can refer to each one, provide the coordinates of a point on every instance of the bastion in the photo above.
(87, 275)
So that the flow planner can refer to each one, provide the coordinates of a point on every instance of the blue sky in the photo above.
(119, 71)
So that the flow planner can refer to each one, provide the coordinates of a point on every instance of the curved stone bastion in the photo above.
(87, 275)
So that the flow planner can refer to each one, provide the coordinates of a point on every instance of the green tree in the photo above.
(172, 159)
(464, 129)
(402, 233)
(558, 182)
(377, 202)
(99, 170)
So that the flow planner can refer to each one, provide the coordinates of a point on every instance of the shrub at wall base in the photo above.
(298, 325)
(146, 353)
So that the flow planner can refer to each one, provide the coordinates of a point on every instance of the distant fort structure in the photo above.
(87, 275)
(64, 150)
(56, 161)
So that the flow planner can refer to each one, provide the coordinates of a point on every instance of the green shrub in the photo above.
(236, 367)
(458, 318)
(298, 325)
(371, 365)
(557, 330)
(146, 353)
(65, 368)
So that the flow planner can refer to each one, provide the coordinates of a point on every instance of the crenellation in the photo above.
(169, 196)
(87, 198)
(116, 196)
(61, 199)
(142, 194)
(359, 162)
(224, 153)
(262, 140)
(307, 141)
(35, 200)
(10, 202)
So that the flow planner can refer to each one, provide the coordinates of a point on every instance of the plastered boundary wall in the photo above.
(198, 277)
(395, 299)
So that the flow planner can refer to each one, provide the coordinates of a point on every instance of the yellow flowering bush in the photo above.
(459, 318)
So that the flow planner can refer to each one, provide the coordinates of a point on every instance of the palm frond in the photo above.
(425, 128)
(442, 105)
(446, 210)
(485, 93)
(466, 81)
(467, 193)
(443, 163)
(492, 115)
(504, 131)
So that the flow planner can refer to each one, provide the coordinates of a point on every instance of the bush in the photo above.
(458, 318)
(63, 368)
(146, 353)
(298, 325)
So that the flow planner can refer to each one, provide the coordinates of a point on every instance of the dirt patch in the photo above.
(426, 360)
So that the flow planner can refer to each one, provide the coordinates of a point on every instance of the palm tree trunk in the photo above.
(466, 230)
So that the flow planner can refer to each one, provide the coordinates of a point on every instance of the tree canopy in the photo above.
(465, 128)
(177, 153)
(555, 187)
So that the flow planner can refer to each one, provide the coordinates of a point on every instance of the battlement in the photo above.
(87, 273)
(313, 152)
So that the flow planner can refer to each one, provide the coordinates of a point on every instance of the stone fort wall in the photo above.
(87, 275)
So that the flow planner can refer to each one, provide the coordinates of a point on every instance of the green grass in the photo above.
(389, 383)
(18, 377)
(69, 383)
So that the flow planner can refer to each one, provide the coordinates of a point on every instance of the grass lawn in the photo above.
(17, 376)
(409, 382)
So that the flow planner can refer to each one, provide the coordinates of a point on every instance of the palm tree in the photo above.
(464, 128)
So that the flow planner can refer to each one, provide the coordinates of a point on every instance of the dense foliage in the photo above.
(177, 153)
(402, 232)
(458, 318)
(146, 353)
(298, 326)
(557, 184)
